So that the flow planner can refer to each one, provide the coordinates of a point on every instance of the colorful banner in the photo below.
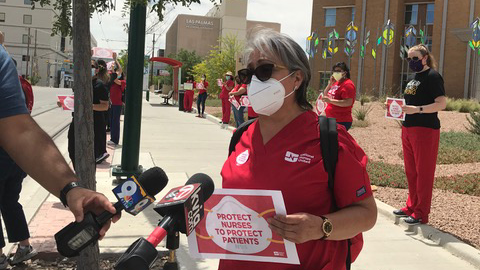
(235, 227)
(67, 102)
(394, 109)
(475, 41)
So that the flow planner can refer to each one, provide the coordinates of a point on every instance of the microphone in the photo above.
(133, 196)
(182, 210)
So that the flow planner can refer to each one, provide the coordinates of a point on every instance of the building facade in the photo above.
(201, 33)
(445, 25)
(28, 40)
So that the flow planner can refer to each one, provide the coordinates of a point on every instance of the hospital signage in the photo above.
(204, 24)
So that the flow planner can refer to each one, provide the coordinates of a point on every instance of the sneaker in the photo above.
(101, 158)
(23, 254)
(3, 262)
(412, 221)
(198, 116)
(112, 143)
(399, 213)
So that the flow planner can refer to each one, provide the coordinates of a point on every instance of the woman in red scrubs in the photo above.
(340, 95)
(281, 151)
(228, 86)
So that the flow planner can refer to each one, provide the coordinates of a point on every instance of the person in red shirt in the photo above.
(340, 95)
(188, 97)
(281, 151)
(228, 85)
(239, 90)
(116, 90)
(202, 95)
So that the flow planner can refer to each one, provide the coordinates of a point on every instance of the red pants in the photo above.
(420, 149)
(226, 109)
(188, 100)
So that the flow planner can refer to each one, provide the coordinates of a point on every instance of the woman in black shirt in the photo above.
(100, 106)
(424, 97)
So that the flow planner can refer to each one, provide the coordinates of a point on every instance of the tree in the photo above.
(83, 115)
(219, 60)
(188, 59)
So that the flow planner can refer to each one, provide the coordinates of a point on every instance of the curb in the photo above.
(442, 239)
(215, 120)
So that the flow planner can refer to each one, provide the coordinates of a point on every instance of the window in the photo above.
(429, 42)
(411, 14)
(353, 14)
(25, 39)
(27, 2)
(2, 16)
(330, 17)
(430, 13)
(27, 19)
(324, 79)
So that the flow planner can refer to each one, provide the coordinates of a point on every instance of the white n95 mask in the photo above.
(267, 97)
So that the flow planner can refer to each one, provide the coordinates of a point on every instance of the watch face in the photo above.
(327, 227)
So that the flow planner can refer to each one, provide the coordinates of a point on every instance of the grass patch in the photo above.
(458, 148)
(211, 102)
(390, 175)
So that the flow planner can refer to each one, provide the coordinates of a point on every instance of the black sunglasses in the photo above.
(415, 58)
(262, 72)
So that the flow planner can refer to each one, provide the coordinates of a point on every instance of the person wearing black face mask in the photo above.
(424, 97)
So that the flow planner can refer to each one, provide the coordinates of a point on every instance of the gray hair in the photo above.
(283, 48)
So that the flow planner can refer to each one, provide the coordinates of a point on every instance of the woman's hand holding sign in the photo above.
(297, 228)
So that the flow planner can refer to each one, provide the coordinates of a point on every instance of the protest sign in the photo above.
(235, 227)
(394, 109)
(67, 102)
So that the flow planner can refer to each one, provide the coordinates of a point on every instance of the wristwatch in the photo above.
(327, 227)
(421, 109)
(65, 190)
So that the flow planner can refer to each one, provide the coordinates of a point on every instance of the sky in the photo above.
(295, 20)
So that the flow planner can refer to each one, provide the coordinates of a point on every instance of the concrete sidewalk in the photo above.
(183, 145)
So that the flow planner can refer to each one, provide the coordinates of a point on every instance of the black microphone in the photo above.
(133, 196)
(182, 210)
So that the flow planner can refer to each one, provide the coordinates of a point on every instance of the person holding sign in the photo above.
(202, 96)
(237, 92)
(188, 98)
(340, 95)
(227, 86)
(281, 151)
(424, 97)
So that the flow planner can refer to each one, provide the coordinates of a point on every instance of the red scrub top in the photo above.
(204, 89)
(251, 112)
(224, 93)
(237, 87)
(339, 91)
(292, 163)
(116, 92)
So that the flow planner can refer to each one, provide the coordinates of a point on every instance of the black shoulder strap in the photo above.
(238, 134)
(329, 144)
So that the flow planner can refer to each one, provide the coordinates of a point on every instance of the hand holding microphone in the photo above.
(133, 196)
(182, 210)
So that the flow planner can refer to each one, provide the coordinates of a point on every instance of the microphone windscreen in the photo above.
(207, 184)
(153, 180)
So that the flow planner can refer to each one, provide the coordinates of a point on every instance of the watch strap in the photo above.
(65, 190)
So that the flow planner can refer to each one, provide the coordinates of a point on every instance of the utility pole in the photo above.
(28, 54)
(151, 69)
(33, 71)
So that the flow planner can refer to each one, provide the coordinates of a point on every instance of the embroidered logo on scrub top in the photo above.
(412, 87)
(242, 158)
(292, 157)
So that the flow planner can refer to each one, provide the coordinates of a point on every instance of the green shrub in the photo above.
(458, 148)
(474, 121)
(360, 123)
(388, 175)
(362, 112)
(462, 105)
(312, 95)
(464, 184)
(452, 105)
(364, 99)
